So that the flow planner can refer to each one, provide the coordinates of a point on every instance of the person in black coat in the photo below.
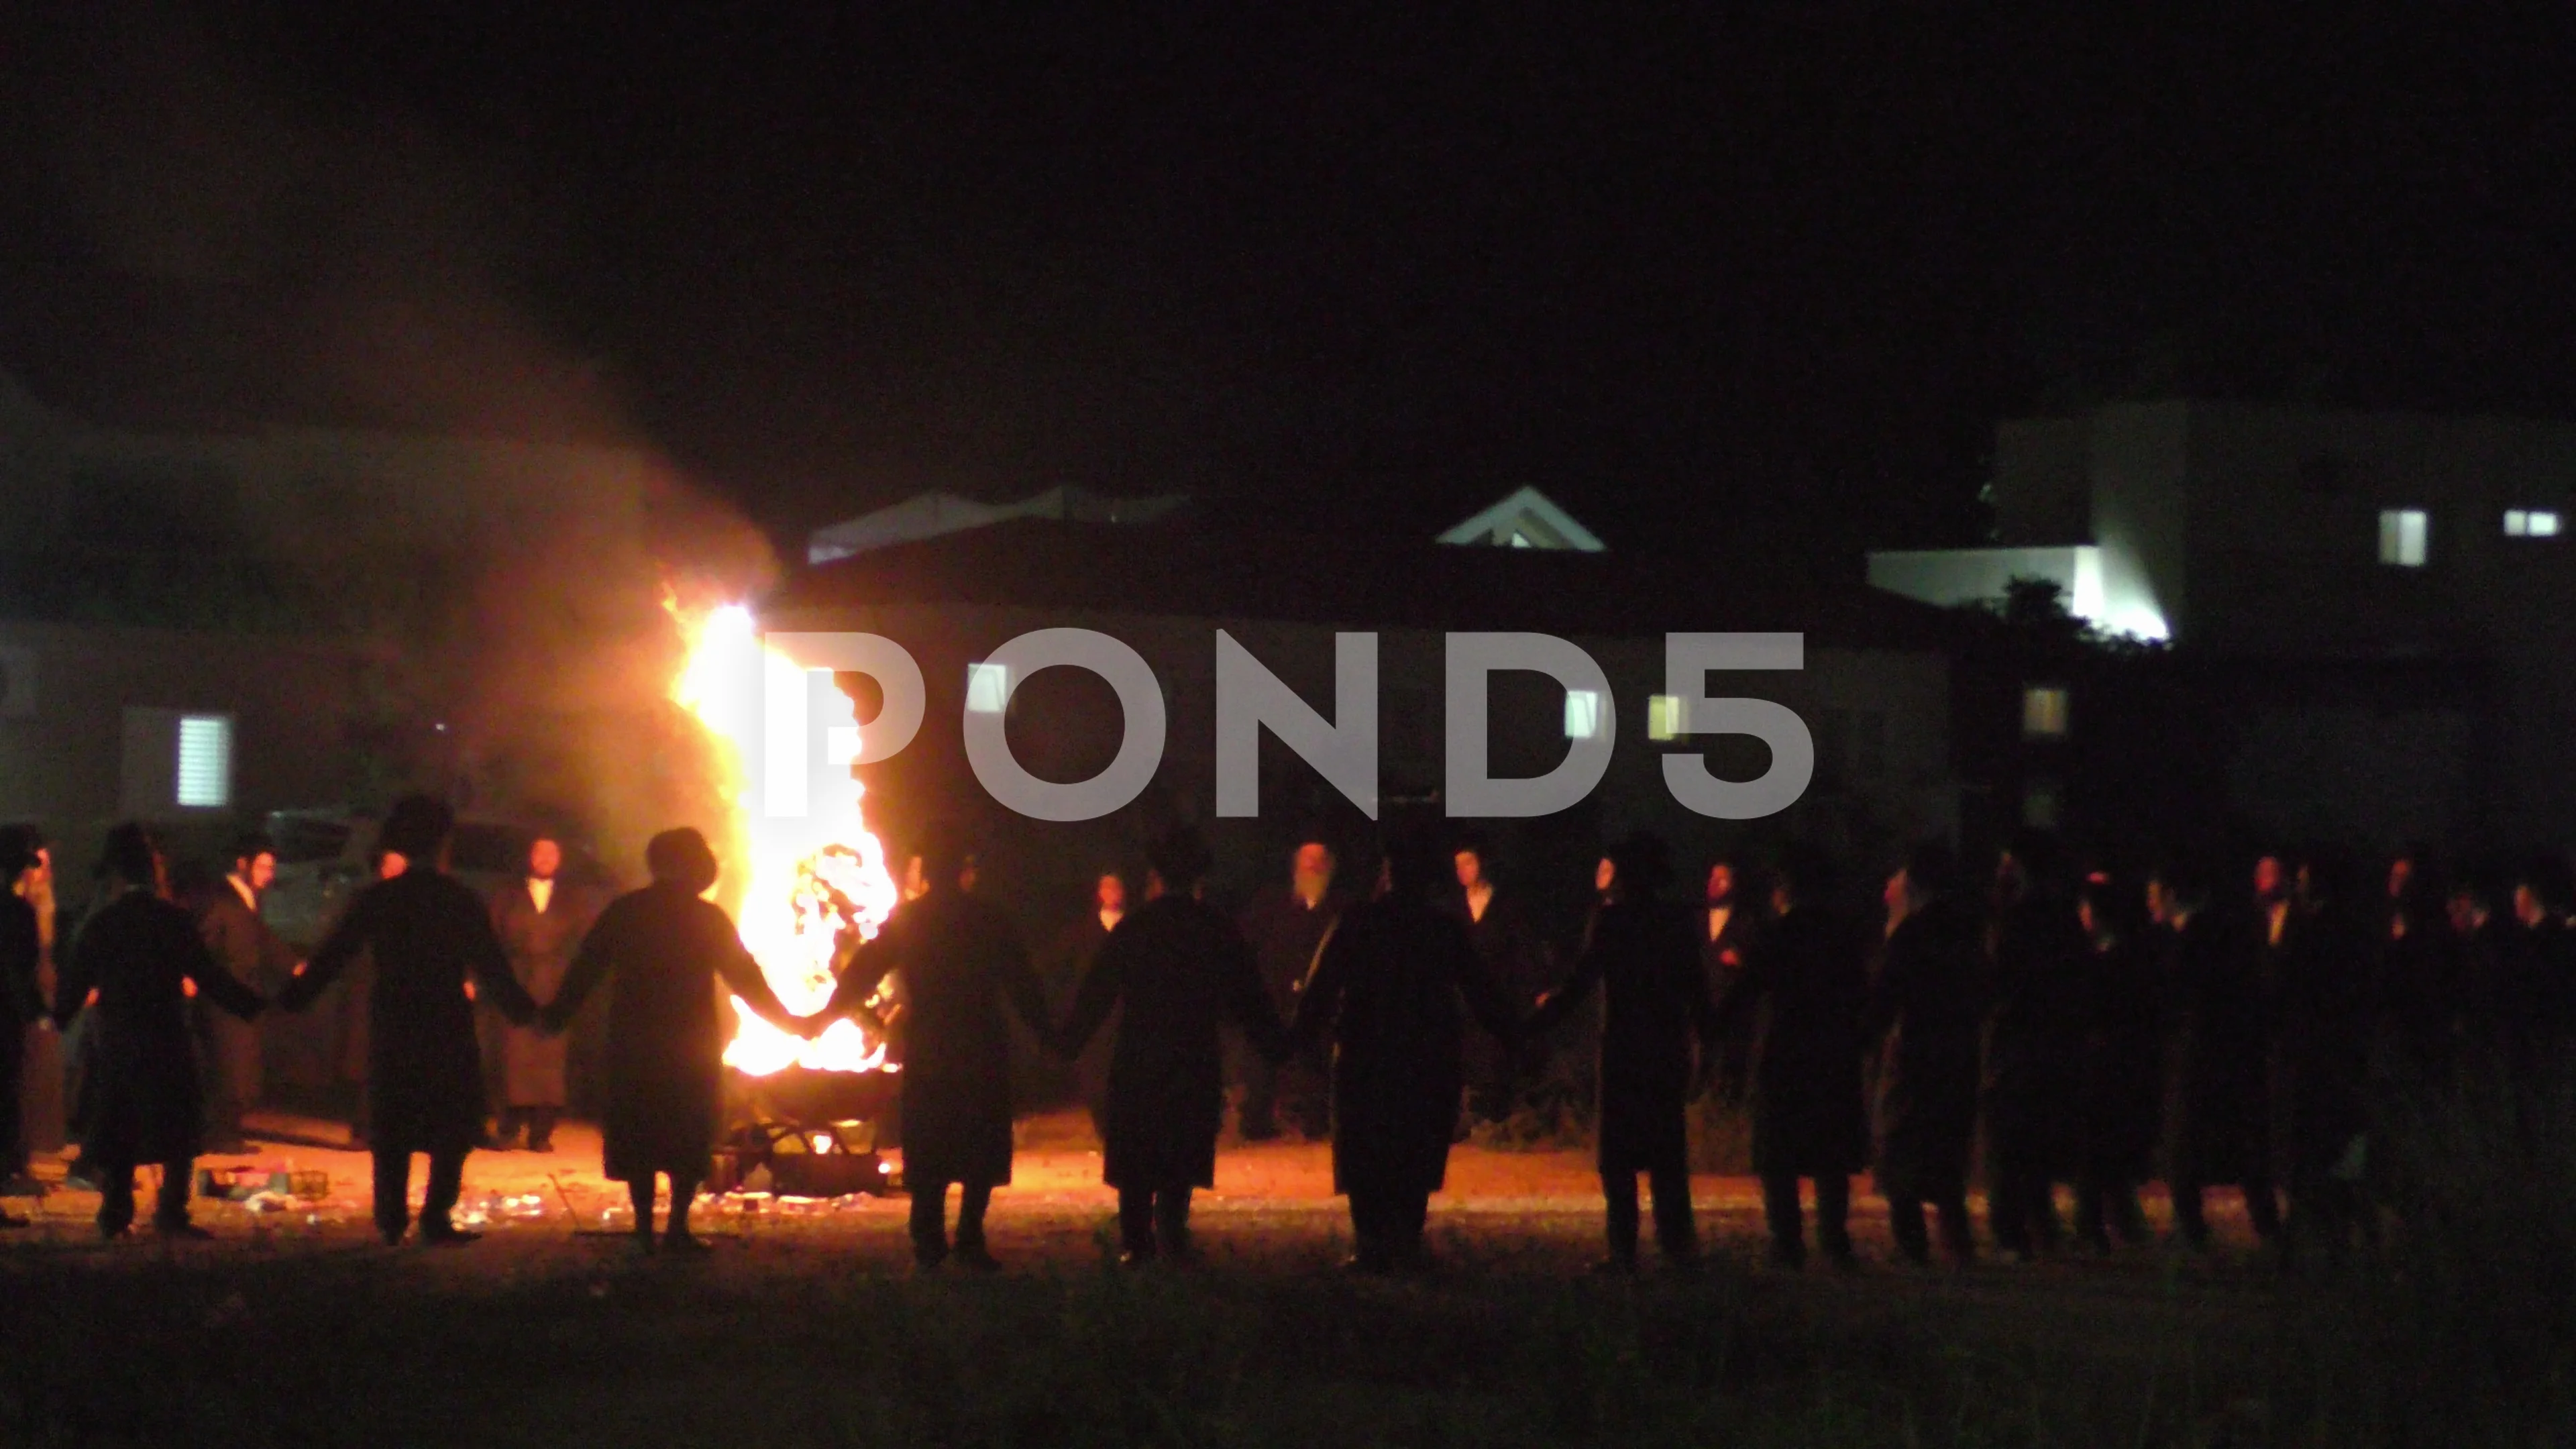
(2535, 987)
(2119, 1068)
(2327, 1014)
(1642, 953)
(22, 1002)
(1287, 926)
(1069, 965)
(1386, 989)
(958, 960)
(1800, 997)
(1175, 971)
(2033, 1045)
(1514, 959)
(2217, 1084)
(2419, 988)
(1726, 953)
(668, 949)
(142, 955)
(430, 936)
(1925, 1010)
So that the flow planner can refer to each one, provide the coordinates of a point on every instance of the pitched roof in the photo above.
(1207, 570)
(1526, 519)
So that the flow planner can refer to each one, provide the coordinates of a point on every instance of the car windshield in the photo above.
(303, 839)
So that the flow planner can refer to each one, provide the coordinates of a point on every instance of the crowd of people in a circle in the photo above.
(2068, 1026)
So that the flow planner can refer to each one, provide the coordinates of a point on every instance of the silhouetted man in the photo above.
(960, 961)
(1800, 997)
(669, 950)
(1642, 953)
(1174, 971)
(1926, 1005)
(143, 958)
(1385, 992)
(2217, 1116)
(2120, 1071)
(429, 936)
(2032, 1045)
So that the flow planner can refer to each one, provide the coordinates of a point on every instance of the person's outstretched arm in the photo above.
(356, 929)
(213, 982)
(590, 966)
(742, 975)
(488, 962)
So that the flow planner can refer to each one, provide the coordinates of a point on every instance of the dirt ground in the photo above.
(1272, 1206)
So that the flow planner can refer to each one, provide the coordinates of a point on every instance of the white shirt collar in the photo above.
(542, 892)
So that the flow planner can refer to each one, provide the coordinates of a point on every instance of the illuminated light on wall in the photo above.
(2044, 711)
(1582, 714)
(1664, 717)
(2531, 523)
(988, 688)
(2104, 586)
(2403, 533)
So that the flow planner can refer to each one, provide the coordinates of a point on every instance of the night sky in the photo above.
(1707, 274)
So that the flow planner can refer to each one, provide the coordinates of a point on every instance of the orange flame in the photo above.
(812, 886)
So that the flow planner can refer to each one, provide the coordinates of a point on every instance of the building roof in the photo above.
(1526, 519)
(930, 515)
(1204, 570)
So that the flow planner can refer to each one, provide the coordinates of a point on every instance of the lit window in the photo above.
(205, 761)
(2039, 805)
(2530, 523)
(1582, 714)
(1664, 717)
(2401, 537)
(988, 688)
(2043, 711)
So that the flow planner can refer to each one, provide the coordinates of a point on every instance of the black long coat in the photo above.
(2326, 1011)
(2034, 1037)
(958, 959)
(1386, 987)
(1725, 958)
(536, 1065)
(2535, 1000)
(426, 933)
(1926, 1010)
(668, 950)
(2422, 992)
(252, 955)
(1799, 999)
(1644, 958)
(1175, 971)
(1068, 966)
(2218, 1082)
(143, 1102)
(2120, 1090)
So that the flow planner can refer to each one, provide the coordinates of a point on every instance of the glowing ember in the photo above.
(811, 886)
